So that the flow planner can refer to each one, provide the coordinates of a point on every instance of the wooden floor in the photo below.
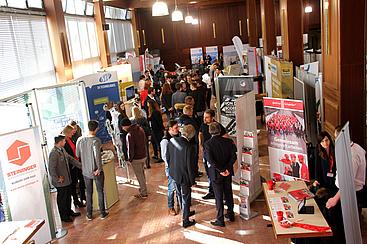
(147, 221)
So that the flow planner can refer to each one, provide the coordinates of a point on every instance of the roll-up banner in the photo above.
(285, 125)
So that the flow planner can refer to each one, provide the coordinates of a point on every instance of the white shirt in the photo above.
(358, 166)
(207, 80)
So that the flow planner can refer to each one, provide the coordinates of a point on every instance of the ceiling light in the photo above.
(189, 19)
(193, 2)
(177, 14)
(308, 9)
(195, 21)
(160, 8)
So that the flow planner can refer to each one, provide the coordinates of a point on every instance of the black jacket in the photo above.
(181, 160)
(187, 120)
(156, 121)
(221, 155)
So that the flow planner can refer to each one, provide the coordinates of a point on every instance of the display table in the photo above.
(110, 186)
(19, 231)
(316, 219)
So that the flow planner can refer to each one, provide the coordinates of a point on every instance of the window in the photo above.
(25, 48)
(24, 4)
(115, 13)
(120, 37)
(83, 45)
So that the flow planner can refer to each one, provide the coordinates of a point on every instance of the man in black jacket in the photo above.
(180, 159)
(221, 154)
(187, 119)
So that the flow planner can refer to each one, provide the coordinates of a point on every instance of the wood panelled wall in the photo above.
(180, 37)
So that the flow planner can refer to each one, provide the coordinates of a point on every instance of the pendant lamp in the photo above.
(188, 18)
(177, 14)
(160, 8)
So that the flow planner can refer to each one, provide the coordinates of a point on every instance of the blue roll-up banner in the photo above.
(101, 88)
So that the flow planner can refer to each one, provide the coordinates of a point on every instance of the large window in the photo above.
(25, 54)
(83, 45)
(120, 37)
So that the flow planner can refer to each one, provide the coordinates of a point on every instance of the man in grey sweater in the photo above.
(88, 149)
(58, 165)
(178, 96)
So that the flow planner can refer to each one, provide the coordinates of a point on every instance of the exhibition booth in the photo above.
(41, 114)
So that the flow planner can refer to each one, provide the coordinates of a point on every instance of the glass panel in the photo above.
(64, 5)
(17, 3)
(70, 7)
(123, 14)
(128, 15)
(80, 7)
(35, 3)
(59, 106)
(2, 2)
(84, 39)
(17, 117)
(90, 9)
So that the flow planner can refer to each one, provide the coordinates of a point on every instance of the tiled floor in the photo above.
(147, 221)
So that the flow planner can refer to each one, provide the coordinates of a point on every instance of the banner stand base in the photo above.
(252, 215)
(60, 233)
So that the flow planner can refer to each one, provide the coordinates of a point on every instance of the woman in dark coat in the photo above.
(122, 115)
(156, 123)
(166, 99)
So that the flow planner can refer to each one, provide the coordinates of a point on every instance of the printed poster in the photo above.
(285, 125)
(25, 182)
(212, 52)
(196, 54)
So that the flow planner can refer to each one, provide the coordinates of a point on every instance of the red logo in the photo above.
(18, 153)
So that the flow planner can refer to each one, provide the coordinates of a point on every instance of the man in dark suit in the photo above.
(58, 165)
(180, 159)
(221, 155)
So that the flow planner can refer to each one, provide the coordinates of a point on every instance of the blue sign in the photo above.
(97, 96)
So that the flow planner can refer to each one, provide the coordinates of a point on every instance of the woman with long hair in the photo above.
(166, 99)
(138, 118)
(75, 173)
(324, 184)
(156, 123)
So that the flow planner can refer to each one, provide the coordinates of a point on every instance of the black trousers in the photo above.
(223, 185)
(183, 193)
(208, 97)
(64, 201)
(77, 176)
(123, 142)
(156, 140)
(205, 162)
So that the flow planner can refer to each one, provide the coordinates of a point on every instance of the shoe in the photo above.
(188, 223)
(73, 214)
(160, 160)
(68, 219)
(217, 223)
(209, 196)
(104, 215)
(229, 216)
(192, 213)
(148, 167)
(199, 174)
(89, 217)
(172, 212)
(155, 157)
(140, 196)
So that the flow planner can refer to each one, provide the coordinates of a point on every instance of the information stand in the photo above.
(248, 154)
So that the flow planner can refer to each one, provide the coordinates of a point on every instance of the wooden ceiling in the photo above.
(171, 3)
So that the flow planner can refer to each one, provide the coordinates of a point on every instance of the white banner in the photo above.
(23, 174)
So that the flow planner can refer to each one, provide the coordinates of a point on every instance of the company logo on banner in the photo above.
(21, 165)
(285, 125)
(105, 77)
(18, 153)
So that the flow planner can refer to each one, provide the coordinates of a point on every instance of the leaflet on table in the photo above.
(249, 139)
(249, 156)
(280, 204)
(285, 125)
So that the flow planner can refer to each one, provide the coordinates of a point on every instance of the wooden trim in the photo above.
(162, 34)
(214, 31)
(144, 41)
(240, 26)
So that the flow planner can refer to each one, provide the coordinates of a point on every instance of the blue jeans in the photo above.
(171, 192)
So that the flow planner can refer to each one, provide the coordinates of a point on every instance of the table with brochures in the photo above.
(302, 225)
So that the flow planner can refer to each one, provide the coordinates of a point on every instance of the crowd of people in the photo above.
(172, 113)
(283, 124)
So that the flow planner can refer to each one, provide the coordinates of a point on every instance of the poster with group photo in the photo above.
(285, 125)
(196, 54)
